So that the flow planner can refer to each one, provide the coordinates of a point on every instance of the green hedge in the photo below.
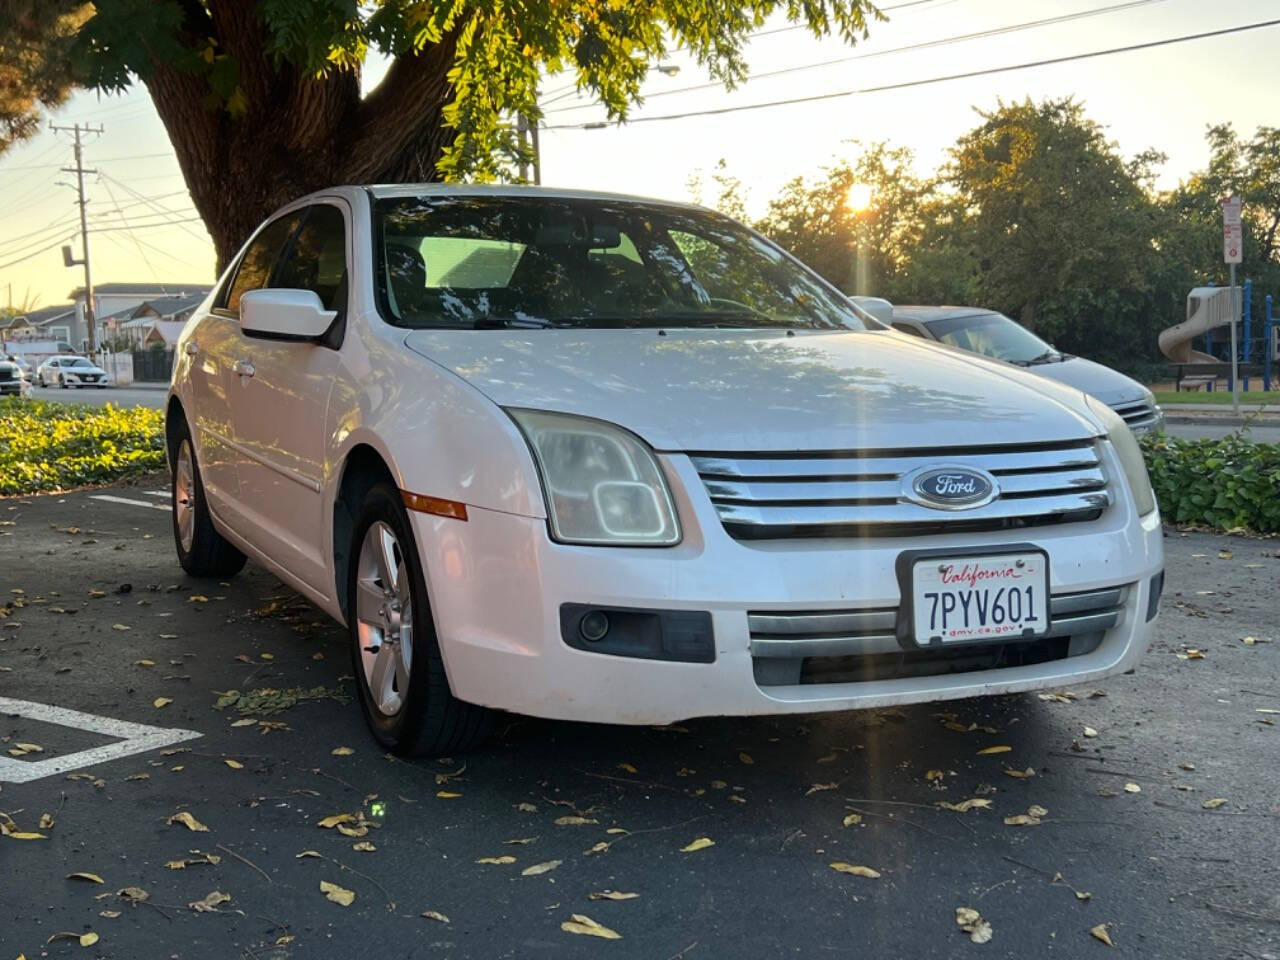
(1227, 483)
(52, 446)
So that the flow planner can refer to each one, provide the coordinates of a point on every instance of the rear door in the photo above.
(212, 349)
(279, 391)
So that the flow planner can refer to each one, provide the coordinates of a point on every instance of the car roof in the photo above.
(926, 313)
(380, 190)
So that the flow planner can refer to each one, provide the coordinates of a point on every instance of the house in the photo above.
(47, 323)
(157, 321)
(110, 299)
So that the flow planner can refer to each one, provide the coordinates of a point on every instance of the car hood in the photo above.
(82, 370)
(1109, 386)
(740, 390)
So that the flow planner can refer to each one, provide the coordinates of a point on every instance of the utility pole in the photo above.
(91, 321)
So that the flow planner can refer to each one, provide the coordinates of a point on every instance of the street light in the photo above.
(858, 201)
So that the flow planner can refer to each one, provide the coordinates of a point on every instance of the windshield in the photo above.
(993, 335)
(79, 362)
(534, 262)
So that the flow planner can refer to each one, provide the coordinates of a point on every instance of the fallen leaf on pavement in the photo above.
(307, 853)
(46, 821)
(364, 846)
(538, 868)
(210, 858)
(188, 821)
(526, 808)
(1214, 803)
(342, 751)
(628, 768)
(1026, 774)
(746, 758)
(574, 821)
(120, 626)
(700, 844)
(209, 902)
(855, 869)
(964, 806)
(1186, 766)
(1090, 732)
(133, 894)
(1132, 788)
(818, 787)
(339, 895)
(497, 861)
(612, 895)
(600, 847)
(1100, 932)
(144, 663)
(435, 915)
(587, 927)
(1035, 810)
(971, 922)
(933, 775)
(234, 764)
(998, 749)
(1022, 820)
(162, 702)
(337, 818)
(447, 794)
(852, 819)
(88, 877)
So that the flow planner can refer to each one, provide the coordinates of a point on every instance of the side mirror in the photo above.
(877, 307)
(276, 314)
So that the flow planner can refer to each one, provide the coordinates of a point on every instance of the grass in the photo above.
(1221, 395)
(56, 446)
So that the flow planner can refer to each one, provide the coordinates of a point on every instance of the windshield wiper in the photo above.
(1049, 356)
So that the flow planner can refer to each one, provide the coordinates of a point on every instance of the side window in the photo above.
(907, 328)
(317, 259)
(256, 265)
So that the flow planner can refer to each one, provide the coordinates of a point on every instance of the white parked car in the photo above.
(70, 372)
(993, 334)
(598, 458)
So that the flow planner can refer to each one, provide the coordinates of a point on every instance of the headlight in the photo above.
(602, 484)
(1129, 454)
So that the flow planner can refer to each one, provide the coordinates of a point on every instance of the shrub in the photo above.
(52, 446)
(1225, 483)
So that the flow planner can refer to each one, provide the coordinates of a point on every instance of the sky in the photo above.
(148, 231)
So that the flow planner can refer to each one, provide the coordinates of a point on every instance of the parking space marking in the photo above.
(157, 493)
(132, 738)
(132, 503)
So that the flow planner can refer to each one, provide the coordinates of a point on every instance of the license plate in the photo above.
(971, 599)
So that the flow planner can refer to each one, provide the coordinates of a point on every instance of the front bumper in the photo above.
(497, 584)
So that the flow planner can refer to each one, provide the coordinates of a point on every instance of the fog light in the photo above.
(594, 626)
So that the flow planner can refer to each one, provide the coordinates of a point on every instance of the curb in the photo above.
(1263, 421)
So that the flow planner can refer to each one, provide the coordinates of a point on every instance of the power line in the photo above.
(135, 156)
(128, 189)
(136, 242)
(162, 223)
(36, 253)
(923, 45)
(597, 125)
(568, 90)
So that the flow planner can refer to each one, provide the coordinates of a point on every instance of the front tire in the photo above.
(404, 691)
(202, 551)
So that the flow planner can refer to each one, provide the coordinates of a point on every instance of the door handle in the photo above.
(244, 368)
(191, 348)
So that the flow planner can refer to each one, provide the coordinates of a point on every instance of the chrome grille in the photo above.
(834, 494)
(791, 647)
(1139, 415)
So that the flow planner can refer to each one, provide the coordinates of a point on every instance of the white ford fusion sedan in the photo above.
(599, 458)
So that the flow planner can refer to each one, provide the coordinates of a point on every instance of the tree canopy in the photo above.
(262, 98)
(1037, 214)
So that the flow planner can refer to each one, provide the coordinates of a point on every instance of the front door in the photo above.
(279, 392)
(211, 350)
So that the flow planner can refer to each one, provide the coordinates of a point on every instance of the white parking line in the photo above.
(133, 738)
(132, 503)
(164, 494)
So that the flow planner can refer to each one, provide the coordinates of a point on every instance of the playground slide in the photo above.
(1207, 307)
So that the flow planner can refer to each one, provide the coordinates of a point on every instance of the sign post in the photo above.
(1232, 251)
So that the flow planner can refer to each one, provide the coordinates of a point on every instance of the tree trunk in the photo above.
(299, 133)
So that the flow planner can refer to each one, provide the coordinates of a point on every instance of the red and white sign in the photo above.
(1232, 233)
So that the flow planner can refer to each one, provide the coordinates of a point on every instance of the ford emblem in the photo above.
(952, 488)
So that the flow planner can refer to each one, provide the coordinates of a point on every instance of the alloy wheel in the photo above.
(384, 618)
(184, 495)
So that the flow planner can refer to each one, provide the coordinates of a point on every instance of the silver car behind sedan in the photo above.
(992, 334)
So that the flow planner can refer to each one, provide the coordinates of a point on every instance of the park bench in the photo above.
(1193, 376)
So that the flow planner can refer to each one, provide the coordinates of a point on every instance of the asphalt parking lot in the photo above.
(550, 820)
